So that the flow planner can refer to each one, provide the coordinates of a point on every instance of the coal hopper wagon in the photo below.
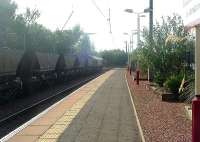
(21, 70)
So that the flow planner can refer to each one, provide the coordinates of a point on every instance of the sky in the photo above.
(92, 16)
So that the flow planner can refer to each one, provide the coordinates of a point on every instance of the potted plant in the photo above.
(172, 85)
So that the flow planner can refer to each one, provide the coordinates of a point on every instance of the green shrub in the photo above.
(173, 83)
(159, 79)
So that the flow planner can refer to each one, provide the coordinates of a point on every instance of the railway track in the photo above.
(16, 119)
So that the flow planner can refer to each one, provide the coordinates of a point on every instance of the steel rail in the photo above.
(74, 86)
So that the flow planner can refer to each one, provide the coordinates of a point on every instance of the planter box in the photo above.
(169, 97)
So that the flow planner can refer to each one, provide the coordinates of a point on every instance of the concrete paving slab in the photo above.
(44, 121)
(109, 116)
(33, 131)
(23, 139)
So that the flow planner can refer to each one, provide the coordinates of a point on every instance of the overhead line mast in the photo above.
(109, 22)
(107, 19)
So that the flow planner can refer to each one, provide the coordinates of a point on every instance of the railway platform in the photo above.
(99, 111)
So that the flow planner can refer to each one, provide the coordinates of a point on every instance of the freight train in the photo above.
(20, 70)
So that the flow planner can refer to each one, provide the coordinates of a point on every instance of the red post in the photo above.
(137, 76)
(195, 119)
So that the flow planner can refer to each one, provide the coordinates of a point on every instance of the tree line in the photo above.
(21, 31)
(114, 57)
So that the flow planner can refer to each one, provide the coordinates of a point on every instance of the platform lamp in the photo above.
(128, 47)
(139, 15)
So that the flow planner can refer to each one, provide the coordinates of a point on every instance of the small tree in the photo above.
(7, 16)
(167, 53)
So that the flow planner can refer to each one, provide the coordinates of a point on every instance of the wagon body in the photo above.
(9, 60)
(47, 61)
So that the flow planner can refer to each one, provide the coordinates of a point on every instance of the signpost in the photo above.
(192, 20)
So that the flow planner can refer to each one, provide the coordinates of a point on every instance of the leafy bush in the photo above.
(173, 83)
(159, 79)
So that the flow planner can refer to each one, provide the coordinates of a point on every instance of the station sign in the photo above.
(191, 10)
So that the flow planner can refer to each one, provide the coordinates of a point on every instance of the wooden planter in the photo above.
(169, 97)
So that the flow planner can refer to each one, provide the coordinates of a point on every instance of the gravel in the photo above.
(160, 121)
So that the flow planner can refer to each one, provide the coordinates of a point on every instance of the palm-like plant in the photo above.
(188, 92)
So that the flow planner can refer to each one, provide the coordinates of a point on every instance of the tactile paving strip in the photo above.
(52, 134)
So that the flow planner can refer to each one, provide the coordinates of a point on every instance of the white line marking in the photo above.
(134, 109)
(17, 130)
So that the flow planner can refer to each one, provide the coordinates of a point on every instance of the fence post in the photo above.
(137, 76)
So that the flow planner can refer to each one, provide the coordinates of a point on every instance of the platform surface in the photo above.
(100, 111)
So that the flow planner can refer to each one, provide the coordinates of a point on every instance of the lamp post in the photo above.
(129, 47)
(126, 47)
(139, 15)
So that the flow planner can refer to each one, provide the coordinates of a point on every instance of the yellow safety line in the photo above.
(55, 131)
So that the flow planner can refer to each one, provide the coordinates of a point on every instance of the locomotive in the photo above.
(20, 70)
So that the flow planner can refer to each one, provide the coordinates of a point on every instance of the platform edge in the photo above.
(17, 130)
(135, 112)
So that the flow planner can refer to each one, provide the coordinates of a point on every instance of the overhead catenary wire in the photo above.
(107, 20)
(67, 20)
(97, 7)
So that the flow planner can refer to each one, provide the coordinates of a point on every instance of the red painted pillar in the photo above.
(196, 100)
(196, 119)
(137, 76)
